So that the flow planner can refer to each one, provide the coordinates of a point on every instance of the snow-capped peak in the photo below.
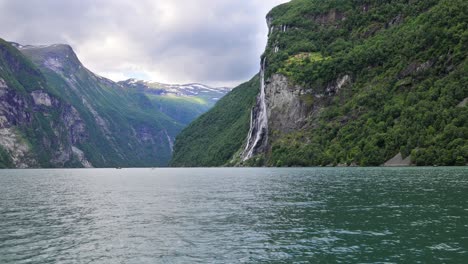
(190, 89)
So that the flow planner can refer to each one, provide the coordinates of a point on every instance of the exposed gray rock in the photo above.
(3, 87)
(13, 108)
(3, 84)
(334, 87)
(62, 155)
(41, 98)
(290, 107)
(3, 121)
(17, 147)
(463, 103)
(79, 154)
(331, 17)
(286, 111)
(75, 125)
(398, 161)
(395, 21)
(102, 123)
(424, 66)
(415, 68)
(54, 64)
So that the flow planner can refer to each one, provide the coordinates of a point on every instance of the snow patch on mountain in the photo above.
(190, 89)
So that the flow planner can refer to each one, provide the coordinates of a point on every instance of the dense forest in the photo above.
(406, 62)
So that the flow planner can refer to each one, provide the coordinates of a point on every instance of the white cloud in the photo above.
(208, 41)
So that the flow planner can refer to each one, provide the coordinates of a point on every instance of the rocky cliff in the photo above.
(56, 113)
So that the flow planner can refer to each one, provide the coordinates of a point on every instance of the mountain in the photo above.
(212, 139)
(346, 82)
(56, 113)
(192, 89)
(182, 102)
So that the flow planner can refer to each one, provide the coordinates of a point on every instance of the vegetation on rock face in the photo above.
(56, 113)
(61, 109)
(79, 111)
(124, 128)
(408, 64)
(213, 138)
(18, 71)
(5, 159)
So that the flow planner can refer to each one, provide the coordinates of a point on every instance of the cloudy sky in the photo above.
(217, 42)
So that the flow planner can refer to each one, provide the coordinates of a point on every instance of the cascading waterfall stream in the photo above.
(258, 132)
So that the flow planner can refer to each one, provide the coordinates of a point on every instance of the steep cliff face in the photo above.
(353, 83)
(56, 113)
(12, 112)
(122, 127)
(32, 121)
(336, 68)
(287, 106)
(292, 107)
(22, 111)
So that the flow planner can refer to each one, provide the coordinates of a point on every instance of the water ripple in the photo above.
(338, 215)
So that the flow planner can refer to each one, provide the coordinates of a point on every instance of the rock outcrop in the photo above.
(41, 98)
(287, 107)
(15, 113)
(398, 161)
(291, 107)
(463, 103)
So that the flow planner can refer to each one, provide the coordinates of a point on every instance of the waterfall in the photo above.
(258, 133)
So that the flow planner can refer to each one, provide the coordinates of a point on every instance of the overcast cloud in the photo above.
(217, 42)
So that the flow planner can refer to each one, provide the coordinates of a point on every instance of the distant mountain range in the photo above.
(56, 113)
(191, 89)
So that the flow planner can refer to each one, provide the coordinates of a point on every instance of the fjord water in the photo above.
(347, 215)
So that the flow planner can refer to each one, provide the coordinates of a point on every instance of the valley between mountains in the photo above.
(340, 83)
(54, 112)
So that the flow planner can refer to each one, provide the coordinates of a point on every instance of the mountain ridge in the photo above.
(357, 83)
(189, 89)
(54, 112)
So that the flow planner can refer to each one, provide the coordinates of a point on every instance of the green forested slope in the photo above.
(407, 62)
(213, 138)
